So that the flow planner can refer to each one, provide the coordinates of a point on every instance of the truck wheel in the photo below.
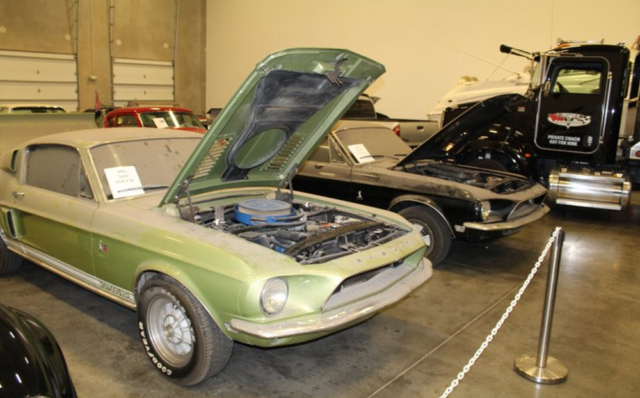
(179, 336)
(434, 230)
(9, 261)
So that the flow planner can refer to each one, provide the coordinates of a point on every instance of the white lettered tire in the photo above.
(179, 336)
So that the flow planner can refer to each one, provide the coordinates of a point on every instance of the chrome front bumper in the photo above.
(508, 225)
(339, 317)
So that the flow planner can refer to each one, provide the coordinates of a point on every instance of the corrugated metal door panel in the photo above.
(27, 77)
(142, 72)
(142, 81)
(43, 92)
(143, 93)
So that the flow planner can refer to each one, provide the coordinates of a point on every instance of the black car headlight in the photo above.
(485, 210)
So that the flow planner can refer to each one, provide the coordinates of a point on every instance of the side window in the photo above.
(126, 121)
(321, 154)
(327, 152)
(57, 168)
(335, 154)
(635, 78)
(578, 81)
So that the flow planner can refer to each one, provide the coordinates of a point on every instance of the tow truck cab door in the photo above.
(572, 105)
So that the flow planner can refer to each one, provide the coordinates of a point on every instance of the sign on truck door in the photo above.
(571, 110)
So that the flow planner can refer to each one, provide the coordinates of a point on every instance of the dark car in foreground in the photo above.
(371, 165)
(31, 362)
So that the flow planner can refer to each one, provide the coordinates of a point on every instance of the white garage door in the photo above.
(142, 81)
(39, 78)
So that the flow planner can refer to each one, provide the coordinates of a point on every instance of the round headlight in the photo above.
(274, 296)
(485, 210)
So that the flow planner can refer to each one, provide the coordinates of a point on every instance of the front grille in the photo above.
(523, 209)
(362, 278)
(367, 284)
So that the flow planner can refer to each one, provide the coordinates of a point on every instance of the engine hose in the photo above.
(258, 227)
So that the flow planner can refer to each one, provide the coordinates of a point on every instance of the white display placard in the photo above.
(160, 123)
(361, 154)
(124, 181)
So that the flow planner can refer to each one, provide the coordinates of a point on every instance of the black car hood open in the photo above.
(446, 143)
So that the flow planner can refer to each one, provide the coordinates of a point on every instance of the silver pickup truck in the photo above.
(363, 114)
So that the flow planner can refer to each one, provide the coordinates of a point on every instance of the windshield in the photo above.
(134, 168)
(164, 119)
(369, 144)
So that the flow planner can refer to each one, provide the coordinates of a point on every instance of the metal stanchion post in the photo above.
(544, 369)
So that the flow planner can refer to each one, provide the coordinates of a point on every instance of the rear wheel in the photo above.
(9, 261)
(435, 231)
(181, 339)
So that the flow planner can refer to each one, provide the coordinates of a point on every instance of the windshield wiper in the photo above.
(146, 187)
(394, 157)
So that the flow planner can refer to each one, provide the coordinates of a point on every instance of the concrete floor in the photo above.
(414, 349)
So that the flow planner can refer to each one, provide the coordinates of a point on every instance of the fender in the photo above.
(404, 201)
(148, 269)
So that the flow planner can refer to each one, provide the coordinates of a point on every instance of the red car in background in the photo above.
(154, 117)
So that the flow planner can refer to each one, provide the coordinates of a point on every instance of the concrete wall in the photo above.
(142, 29)
(426, 46)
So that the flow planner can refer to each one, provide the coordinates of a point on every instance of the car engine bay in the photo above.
(306, 232)
(495, 182)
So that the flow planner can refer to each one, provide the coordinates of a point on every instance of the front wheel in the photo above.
(179, 336)
(435, 232)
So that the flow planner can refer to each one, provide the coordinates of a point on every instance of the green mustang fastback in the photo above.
(204, 236)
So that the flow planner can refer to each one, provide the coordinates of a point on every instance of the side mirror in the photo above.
(8, 161)
(546, 89)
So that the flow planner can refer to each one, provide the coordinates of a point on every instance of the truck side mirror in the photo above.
(547, 88)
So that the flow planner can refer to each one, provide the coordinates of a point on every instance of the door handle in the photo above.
(18, 194)
(319, 166)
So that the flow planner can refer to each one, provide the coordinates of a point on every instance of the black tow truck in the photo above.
(576, 130)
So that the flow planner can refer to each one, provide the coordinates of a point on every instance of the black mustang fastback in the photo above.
(372, 166)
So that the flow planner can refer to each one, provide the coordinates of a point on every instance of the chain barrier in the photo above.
(495, 330)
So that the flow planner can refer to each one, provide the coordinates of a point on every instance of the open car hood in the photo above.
(275, 120)
(453, 137)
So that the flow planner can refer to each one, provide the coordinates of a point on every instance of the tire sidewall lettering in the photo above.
(151, 353)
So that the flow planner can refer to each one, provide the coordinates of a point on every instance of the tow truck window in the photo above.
(578, 81)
